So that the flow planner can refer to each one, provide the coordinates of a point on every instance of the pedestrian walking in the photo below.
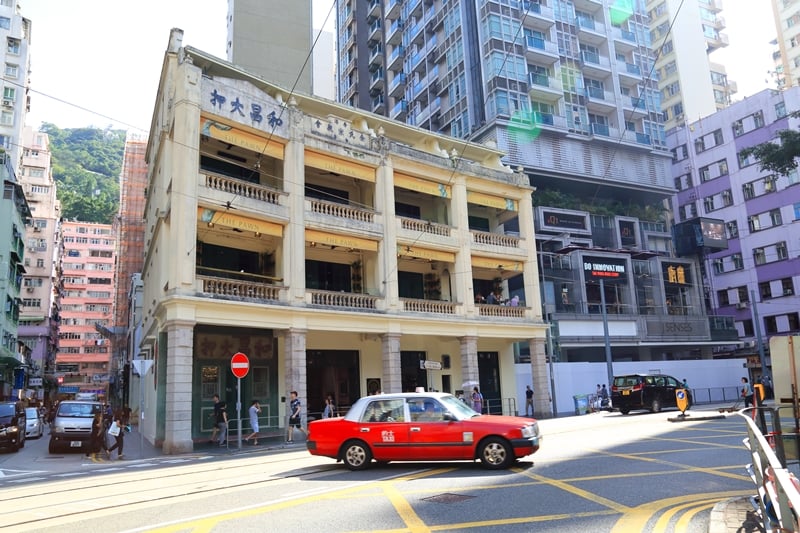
(747, 393)
(255, 410)
(222, 424)
(214, 417)
(477, 400)
(596, 403)
(330, 408)
(529, 400)
(116, 430)
(294, 418)
(97, 441)
(603, 396)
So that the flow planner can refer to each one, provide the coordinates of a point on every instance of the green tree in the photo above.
(86, 165)
(780, 158)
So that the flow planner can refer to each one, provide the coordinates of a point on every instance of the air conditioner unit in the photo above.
(749, 344)
(37, 229)
(8, 103)
(29, 289)
(788, 292)
(741, 305)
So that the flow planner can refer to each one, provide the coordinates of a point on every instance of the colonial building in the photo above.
(343, 253)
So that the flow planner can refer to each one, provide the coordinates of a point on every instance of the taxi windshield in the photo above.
(457, 408)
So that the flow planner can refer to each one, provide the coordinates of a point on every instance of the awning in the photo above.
(344, 241)
(412, 183)
(498, 202)
(496, 264)
(229, 134)
(339, 166)
(426, 253)
(10, 362)
(230, 220)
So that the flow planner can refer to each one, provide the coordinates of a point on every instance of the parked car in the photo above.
(421, 427)
(12, 425)
(34, 427)
(644, 391)
(72, 424)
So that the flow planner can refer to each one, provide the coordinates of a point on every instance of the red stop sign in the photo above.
(240, 365)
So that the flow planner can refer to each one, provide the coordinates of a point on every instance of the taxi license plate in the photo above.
(626, 393)
(75, 443)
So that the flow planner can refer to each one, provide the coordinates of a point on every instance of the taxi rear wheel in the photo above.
(656, 406)
(356, 455)
(495, 453)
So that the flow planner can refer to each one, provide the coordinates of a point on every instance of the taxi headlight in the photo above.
(531, 430)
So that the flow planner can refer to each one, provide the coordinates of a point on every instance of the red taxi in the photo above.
(421, 427)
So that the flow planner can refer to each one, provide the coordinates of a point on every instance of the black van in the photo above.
(644, 391)
(12, 425)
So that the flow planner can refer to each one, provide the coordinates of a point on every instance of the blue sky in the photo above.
(105, 55)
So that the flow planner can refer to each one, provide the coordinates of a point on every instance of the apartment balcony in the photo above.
(374, 9)
(624, 40)
(537, 16)
(433, 307)
(413, 8)
(414, 33)
(495, 242)
(399, 111)
(376, 80)
(396, 57)
(595, 65)
(633, 106)
(416, 62)
(397, 87)
(234, 285)
(719, 23)
(548, 121)
(600, 100)
(540, 50)
(374, 30)
(341, 300)
(376, 55)
(322, 214)
(391, 9)
(425, 233)
(592, 6)
(544, 87)
(378, 105)
(715, 6)
(590, 31)
(631, 71)
(720, 41)
(501, 311)
(395, 34)
(250, 197)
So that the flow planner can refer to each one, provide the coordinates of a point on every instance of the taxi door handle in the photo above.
(364, 430)
(415, 429)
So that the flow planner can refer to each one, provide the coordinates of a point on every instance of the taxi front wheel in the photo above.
(495, 453)
(356, 455)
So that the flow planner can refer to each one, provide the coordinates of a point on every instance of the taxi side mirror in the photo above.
(447, 416)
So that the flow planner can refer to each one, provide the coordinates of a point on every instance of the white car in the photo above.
(34, 427)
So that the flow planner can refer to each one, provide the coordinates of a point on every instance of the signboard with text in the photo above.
(605, 268)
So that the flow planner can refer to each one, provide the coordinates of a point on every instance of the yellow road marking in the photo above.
(591, 496)
(683, 523)
(404, 509)
(666, 516)
(638, 518)
(682, 467)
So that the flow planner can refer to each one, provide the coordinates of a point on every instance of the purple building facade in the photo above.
(757, 277)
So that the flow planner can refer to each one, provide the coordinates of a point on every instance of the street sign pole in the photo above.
(240, 366)
(239, 408)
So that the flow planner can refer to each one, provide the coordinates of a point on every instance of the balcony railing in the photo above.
(424, 226)
(219, 286)
(242, 188)
(341, 211)
(495, 239)
(502, 311)
(428, 306)
(342, 299)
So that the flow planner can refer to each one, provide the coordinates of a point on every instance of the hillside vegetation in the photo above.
(86, 165)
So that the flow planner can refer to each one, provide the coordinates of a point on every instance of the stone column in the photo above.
(462, 269)
(294, 353)
(469, 363)
(294, 236)
(390, 352)
(542, 401)
(178, 414)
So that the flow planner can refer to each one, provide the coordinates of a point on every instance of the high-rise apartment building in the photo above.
(38, 319)
(787, 26)
(86, 275)
(755, 277)
(15, 32)
(272, 38)
(684, 33)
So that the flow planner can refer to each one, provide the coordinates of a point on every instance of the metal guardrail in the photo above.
(777, 488)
